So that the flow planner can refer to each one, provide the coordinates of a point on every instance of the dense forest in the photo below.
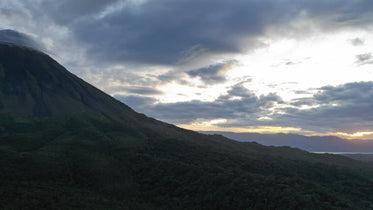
(82, 162)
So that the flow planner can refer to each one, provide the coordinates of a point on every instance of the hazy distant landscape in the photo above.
(353, 148)
(320, 144)
(188, 104)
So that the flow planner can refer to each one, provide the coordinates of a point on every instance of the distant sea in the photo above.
(345, 153)
(362, 156)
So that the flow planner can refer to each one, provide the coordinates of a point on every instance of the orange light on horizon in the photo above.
(356, 134)
(212, 125)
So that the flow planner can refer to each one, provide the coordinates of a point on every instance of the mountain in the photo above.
(34, 85)
(64, 144)
(309, 143)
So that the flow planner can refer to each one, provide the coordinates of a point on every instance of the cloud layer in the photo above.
(135, 49)
(342, 108)
(169, 32)
(237, 103)
(213, 74)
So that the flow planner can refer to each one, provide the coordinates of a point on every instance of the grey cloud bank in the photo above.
(168, 32)
(363, 59)
(342, 108)
(346, 108)
(357, 42)
(214, 73)
(248, 106)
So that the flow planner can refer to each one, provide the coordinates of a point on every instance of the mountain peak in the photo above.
(33, 84)
(12, 37)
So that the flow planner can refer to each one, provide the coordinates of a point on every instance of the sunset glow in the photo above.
(208, 126)
(354, 135)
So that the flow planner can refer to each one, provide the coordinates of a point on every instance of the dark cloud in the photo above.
(302, 102)
(68, 11)
(174, 76)
(172, 32)
(364, 59)
(357, 41)
(135, 90)
(348, 93)
(286, 63)
(346, 107)
(136, 102)
(302, 92)
(290, 63)
(210, 75)
(167, 31)
(144, 91)
(16, 38)
(213, 74)
(9, 13)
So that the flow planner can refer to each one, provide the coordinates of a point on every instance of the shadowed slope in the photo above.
(32, 84)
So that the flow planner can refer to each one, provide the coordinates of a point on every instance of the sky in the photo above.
(268, 66)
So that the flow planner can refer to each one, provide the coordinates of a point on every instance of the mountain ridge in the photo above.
(308, 143)
(67, 145)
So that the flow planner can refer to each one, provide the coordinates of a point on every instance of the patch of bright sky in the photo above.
(289, 65)
(286, 66)
(178, 93)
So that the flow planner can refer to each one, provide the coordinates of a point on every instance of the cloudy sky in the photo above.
(240, 65)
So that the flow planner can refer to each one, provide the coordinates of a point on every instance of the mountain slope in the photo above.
(66, 145)
(33, 84)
